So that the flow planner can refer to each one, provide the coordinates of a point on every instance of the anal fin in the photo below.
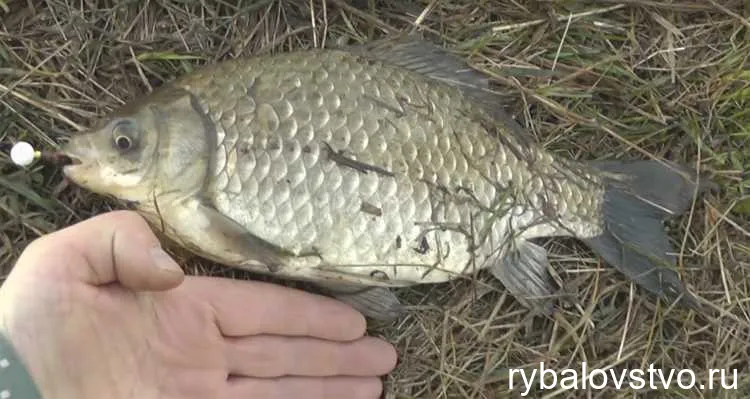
(523, 271)
(379, 303)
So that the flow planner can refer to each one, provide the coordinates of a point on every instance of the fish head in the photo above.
(117, 157)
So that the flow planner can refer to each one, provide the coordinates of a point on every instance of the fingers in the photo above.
(273, 356)
(244, 308)
(112, 247)
(308, 388)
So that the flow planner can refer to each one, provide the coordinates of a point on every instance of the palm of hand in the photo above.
(206, 338)
(154, 344)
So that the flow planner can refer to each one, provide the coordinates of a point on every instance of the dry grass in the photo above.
(610, 79)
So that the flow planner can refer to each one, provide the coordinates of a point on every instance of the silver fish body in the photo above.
(375, 170)
(341, 167)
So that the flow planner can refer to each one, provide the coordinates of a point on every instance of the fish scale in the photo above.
(387, 164)
(343, 124)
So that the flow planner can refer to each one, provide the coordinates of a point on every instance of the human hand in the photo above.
(97, 310)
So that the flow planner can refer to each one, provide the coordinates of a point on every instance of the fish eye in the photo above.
(123, 142)
(124, 135)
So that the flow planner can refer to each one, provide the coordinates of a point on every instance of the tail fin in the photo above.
(638, 197)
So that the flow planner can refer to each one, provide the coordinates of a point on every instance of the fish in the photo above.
(371, 167)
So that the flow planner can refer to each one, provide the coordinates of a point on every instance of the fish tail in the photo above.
(638, 197)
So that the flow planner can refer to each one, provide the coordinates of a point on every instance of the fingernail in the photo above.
(163, 261)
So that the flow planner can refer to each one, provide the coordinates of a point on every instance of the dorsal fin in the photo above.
(411, 52)
(422, 56)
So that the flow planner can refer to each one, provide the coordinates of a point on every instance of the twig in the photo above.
(731, 13)
(561, 18)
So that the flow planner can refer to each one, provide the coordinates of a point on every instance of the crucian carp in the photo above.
(373, 166)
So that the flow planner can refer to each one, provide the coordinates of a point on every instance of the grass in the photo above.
(591, 80)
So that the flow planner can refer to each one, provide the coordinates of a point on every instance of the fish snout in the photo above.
(78, 153)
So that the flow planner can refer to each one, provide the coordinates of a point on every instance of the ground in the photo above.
(591, 80)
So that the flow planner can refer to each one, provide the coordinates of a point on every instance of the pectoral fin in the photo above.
(377, 303)
(523, 271)
(242, 241)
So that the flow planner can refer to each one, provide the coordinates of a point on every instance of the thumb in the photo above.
(115, 247)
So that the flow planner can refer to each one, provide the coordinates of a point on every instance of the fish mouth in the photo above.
(70, 163)
(62, 159)
(73, 155)
(67, 161)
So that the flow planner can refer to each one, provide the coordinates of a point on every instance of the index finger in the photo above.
(245, 308)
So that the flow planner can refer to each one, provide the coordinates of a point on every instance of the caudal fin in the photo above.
(639, 196)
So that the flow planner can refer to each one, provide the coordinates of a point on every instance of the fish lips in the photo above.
(75, 160)
(72, 165)
(77, 171)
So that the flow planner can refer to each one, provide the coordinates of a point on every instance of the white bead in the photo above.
(4, 363)
(4, 394)
(22, 153)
